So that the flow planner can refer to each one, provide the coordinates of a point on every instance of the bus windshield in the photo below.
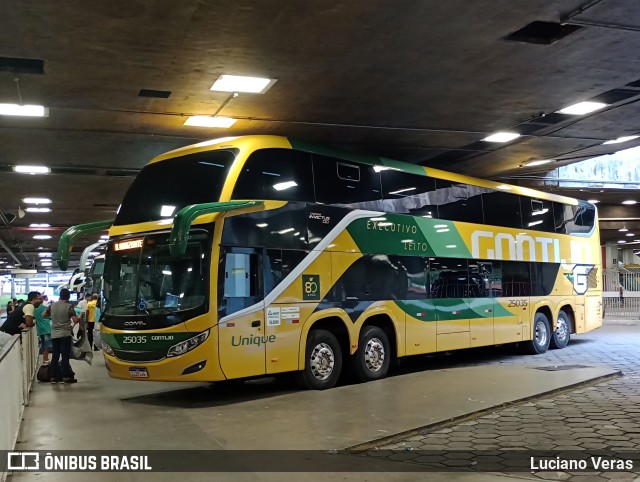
(141, 277)
(163, 188)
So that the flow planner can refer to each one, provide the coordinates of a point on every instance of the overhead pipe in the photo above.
(8, 250)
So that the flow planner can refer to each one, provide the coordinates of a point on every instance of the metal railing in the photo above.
(626, 302)
(29, 344)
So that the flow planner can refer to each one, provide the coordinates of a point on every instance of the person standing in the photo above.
(91, 317)
(82, 304)
(63, 317)
(43, 327)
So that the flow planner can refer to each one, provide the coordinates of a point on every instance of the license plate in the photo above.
(138, 373)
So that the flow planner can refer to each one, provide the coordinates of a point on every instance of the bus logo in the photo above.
(310, 287)
(580, 277)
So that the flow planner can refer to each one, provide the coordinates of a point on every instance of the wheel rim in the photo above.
(374, 355)
(541, 333)
(562, 330)
(322, 361)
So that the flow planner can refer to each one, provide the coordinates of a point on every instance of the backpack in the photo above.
(44, 373)
(14, 320)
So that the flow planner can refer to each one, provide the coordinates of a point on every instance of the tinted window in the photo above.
(448, 278)
(502, 209)
(459, 202)
(281, 174)
(574, 219)
(284, 228)
(346, 183)
(240, 284)
(516, 279)
(543, 277)
(277, 264)
(481, 279)
(411, 277)
(174, 184)
(408, 194)
(538, 215)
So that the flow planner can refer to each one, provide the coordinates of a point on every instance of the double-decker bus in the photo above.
(259, 255)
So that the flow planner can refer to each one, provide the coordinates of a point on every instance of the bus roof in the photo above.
(254, 142)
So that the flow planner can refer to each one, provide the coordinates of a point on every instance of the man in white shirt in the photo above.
(82, 304)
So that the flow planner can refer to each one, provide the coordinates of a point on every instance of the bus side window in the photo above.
(516, 278)
(240, 282)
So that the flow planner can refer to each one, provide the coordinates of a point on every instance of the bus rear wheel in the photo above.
(371, 361)
(323, 361)
(562, 334)
(541, 335)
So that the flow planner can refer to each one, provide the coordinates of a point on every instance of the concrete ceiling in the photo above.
(421, 80)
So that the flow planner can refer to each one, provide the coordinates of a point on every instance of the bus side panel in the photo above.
(592, 313)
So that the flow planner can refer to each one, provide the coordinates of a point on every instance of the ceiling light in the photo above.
(45, 255)
(501, 137)
(537, 163)
(621, 139)
(534, 223)
(167, 211)
(166, 272)
(239, 83)
(32, 169)
(36, 200)
(621, 242)
(623, 229)
(262, 225)
(582, 108)
(504, 187)
(593, 201)
(629, 202)
(42, 236)
(23, 110)
(285, 231)
(38, 210)
(630, 234)
(39, 225)
(45, 263)
(210, 121)
(281, 186)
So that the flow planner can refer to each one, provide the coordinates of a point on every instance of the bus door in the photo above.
(481, 304)
(241, 331)
(449, 286)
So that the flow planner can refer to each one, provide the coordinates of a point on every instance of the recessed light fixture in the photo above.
(239, 83)
(45, 263)
(210, 121)
(621, 242)
(167, 211)
(38, 210)
(32, 169)
(621, 139)
(501, 137)
(42, 236)
(582, 108)
(623, 229)
(538, 163)
(36, 200)
(593, 201)
(281, 186)
(23, 110)
(39, 225)
(630, 234)
(45, 255)
(629, 202)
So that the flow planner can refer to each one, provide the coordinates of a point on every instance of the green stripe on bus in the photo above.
(453, 309)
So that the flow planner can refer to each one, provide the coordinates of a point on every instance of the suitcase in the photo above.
(44, 373)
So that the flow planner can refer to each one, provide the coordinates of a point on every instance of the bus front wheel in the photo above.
(371, 361)
(562, 333)
(323, 361)
(541, 335)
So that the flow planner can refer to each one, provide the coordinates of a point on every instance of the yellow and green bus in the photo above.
(259, 255)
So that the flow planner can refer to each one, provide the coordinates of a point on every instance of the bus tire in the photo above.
(562, 334)
(541, 335)
(373, 357)
(323, 361)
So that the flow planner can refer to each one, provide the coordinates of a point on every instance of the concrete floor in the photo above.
(100, 413)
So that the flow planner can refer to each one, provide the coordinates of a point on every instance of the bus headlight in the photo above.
(107, 349)
(188, 345)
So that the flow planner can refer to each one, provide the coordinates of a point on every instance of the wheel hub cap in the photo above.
(322, 361)
(541, 333)
(374, 355)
